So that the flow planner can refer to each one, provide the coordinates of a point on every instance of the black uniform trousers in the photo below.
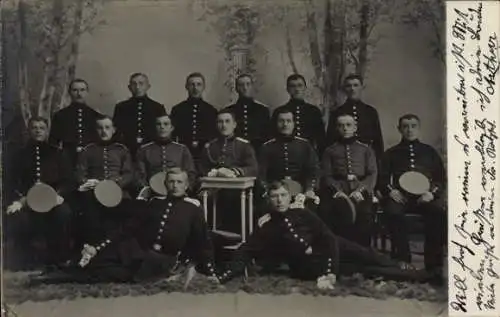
(54, 226)
(336, 214)
(435, 229)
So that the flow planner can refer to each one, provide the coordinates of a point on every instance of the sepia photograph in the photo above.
(224, 158)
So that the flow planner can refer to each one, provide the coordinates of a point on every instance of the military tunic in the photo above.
(160, 155)
(420, 157)
(308, 122)
(41, 162)
(253, 121)
(135, 119)
(73, 127)
(289, 157)
(348, 166)
(288, 236)
(369, 131)
(158, 236)
(195, 124)
(233, 153)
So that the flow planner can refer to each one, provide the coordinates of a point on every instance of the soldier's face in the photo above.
(195, 87)
(244, 87)
(177, 184)
(280, 199)
(353, 88)
(409, 129)
(38, 131)
(78, 92)
(285, 123)
(138, 86)
(346, 126)
(226, 124)
(296, 89)
(105, 129)
(164, 127)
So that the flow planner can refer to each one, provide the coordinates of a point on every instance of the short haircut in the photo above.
(163, 115)
(195, 75)
(134, 75)
(294, 77)
(102, 117)
(78, 80)
(408, 116)
(37, 119)
(228, 111)
(176, 171)
(345, 114)
(275, 185)
(352, 77)
(243, 76)
(283, 110)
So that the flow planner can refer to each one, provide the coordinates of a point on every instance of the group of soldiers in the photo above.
(149, 232)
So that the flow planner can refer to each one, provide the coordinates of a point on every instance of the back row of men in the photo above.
(209, 144)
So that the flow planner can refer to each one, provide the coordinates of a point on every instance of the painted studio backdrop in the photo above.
(396, 45)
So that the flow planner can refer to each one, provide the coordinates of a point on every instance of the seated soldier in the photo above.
(288, 157)
(228, 156)
(103, 160)
(38, 162)
(412, 155)
(349, 176)
(160, 236)
(162, 154)
(299, 238)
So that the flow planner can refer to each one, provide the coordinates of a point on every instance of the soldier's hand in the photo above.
(309, 251)
(310, 194)
(88, 252)
(213, 279)
(357, 196)
(426, 197)
(326, 281)
(14, 207)
(397, 196)
(212, 173)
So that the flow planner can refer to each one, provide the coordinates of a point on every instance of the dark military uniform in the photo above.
(235, 154)
(134, 119)
(420, 157)
(287, 236)
(41, 162)
(308, 122)
(253, 121)
(289, 157)
(367, 118)
(73, 128)
(160, 155)
(103, 161)
(195, 124)
(158, 237)
(348, 166)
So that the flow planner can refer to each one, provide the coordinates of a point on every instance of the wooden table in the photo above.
(244, 184)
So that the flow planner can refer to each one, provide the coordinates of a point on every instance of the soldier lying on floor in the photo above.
(162, 235)
(299, 238)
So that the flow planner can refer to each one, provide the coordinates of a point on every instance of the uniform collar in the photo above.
(142, 98)
(194, 101)
(350, 140)
(33, 144)
(352, 102)
(224, 138)
(175, 199)
(296, 102)
(244, 100)
(106, 143)
(78, 105)
(163, 141)
(406, 142)
(285, 138)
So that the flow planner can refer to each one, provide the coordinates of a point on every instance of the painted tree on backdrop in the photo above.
(45, 37)
(336, 35)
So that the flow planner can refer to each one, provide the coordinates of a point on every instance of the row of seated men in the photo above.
(347, 177)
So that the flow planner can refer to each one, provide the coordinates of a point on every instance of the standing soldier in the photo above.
(228, 156)
(73, 127)
(289, 157)
(134, 118)
(366, 117)
(103, 160)
(252, 117)
(163, 154)
(349, 174)
(308, 119)
(194, 119)
(418, 158)
(41, 163)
